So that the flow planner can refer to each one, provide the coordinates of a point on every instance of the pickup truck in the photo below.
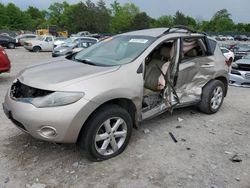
(42, 43)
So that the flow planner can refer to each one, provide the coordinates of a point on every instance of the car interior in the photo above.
(157, 68)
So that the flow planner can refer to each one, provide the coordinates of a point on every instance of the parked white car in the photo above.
(42, 43)
(229, 37)
(228, 54)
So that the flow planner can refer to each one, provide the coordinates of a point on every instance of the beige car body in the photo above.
(122, 85)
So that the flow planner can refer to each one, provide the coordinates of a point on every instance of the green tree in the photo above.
(37, 17)
(56, 14)
(4, 17)
(141, 21)
(221, 21)
(16, 18)
(164, 21)
(123, 16)
(180, 19)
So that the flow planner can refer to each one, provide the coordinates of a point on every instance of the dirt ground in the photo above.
(200, 158)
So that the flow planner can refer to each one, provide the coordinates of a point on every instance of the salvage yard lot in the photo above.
(200, 158)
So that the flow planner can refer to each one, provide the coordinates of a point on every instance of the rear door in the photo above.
(196, 68)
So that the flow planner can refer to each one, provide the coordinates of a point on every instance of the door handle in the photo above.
(208, 65)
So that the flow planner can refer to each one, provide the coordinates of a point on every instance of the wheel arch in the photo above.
(37, 46)
(124, 103)
(225, 82)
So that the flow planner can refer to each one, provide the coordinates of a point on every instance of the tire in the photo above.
(36, 49)
(212, 97)
(11, 46)
(112, 143)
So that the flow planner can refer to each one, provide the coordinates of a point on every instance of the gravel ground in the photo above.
(200, 158)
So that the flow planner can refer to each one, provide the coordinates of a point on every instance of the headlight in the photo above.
(57, 99)
(234, 65)
(62, 50)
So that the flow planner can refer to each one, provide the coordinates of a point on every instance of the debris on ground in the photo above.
(188, 148)
(183, 140)
(236, 158)
(7, 179)
(36, 185)
(178, 127)
(180, 119)
(228, 152)
(173, 138)
(146, 131)
(237, 179)
(75, 164)
(72, 172)
(238, 133)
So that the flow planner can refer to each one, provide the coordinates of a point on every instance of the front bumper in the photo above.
(67, 120)
(240, 79)
(57, 54)
(28, 47)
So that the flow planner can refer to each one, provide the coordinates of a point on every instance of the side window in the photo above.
(193, 48)
(224, 50)
(212, 45)
(83, 45)
(48, 39)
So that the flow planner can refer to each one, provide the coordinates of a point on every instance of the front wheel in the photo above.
(36, 49)
(11, 46)
(107, 133)
(212, 97)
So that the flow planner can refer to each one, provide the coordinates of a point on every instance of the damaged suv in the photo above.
(96, 97)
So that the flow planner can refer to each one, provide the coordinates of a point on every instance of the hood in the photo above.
(59, 73)
(65, 48)
(243, 61)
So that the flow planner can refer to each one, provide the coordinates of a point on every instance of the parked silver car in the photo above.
(240, 73)
(96, 97)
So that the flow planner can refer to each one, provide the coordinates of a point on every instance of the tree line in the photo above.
(100, 18)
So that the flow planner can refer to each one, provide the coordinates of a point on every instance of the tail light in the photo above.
(228, 63)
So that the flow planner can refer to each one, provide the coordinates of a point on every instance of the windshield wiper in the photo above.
(85, 61)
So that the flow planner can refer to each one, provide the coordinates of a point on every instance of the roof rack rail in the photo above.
(181, 27)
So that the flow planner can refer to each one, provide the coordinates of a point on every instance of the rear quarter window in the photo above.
(212, 45)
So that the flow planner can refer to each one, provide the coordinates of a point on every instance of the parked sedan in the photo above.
(24, 37)
(72, 47)
(241, 37)
(228, 54)
(4, 61)
(8, 42)
(240, 73)
(240, 50)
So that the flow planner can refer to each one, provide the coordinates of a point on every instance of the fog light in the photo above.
(47, 132)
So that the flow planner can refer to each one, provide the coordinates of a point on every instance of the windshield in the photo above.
(115, 51)
(40, 37)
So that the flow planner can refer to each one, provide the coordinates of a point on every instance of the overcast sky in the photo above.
(201, 9)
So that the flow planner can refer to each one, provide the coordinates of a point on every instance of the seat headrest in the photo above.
(165, 52)
(192, 53)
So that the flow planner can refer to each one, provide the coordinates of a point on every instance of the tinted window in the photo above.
(193, 47)
(224, 50)
(212, 45)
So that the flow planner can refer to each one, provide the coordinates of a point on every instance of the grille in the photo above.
(247, 75)
(244, 67)
(20, 90)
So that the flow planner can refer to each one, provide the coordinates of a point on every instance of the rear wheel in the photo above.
(212, 97)
(107, 133)
(36, 49)
(11, 46)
